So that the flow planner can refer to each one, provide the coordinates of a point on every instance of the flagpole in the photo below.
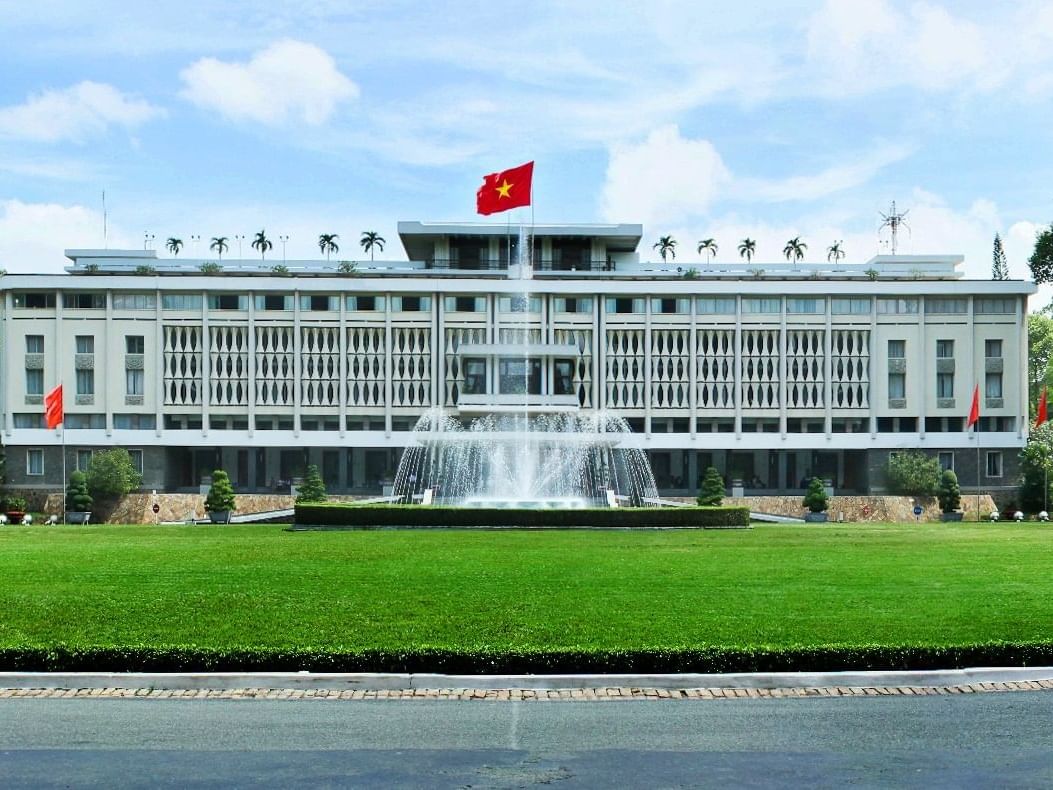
(978, 469)
(62, 486)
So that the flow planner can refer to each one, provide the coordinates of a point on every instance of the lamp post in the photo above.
(148, 240)
(283, 240)
(239, 239)
(194, 239)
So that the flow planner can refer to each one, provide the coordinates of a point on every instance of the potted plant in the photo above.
(220, 500)
(78, 500)
(712, 493)
(816, 500)
(950, 496)
(14, 508)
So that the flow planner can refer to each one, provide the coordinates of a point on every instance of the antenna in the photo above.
(893, 221)
(105, 242)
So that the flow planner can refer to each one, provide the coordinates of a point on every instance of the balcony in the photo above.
(488, 403)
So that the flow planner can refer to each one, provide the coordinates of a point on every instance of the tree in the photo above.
(815, 499)
(111, 474)
(666, 246)
(220, 497)
(219, 245)
(262, 243)
(78, 499)
(327, 244)
(747, 247)
(174, 245)
(913, 473)
(794, 249)
(1041, 260)
(1036, 469)
(1039, 354)
(709, 246)
(712, 492)
(1000, 266)
(371, 240)
(950, 493)
(834, 252)
(346, 267)
(313, 489)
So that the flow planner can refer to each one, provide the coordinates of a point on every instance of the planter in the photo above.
(78, 516)
(951, 516)
(15, 516)
(219, 516)
(815, 518)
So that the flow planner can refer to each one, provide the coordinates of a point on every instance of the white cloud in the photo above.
(826, 182)
(77, 113)
(33, 236)
(289, 80)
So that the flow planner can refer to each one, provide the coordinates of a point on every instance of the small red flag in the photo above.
(974, 411)
(53, 413)
(505, 190)
(1042, 415)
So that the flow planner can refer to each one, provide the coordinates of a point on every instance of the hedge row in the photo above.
(62, 658)
(318, 514)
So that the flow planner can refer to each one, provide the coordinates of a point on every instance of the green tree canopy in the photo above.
(1039, 354)
(313, 489)
(1041, 260)
(815, 499)
(111, 474)
(913, 473)
(999, 264)
(1036, 470)
(712, 492)
(220, 497)
(950, 492)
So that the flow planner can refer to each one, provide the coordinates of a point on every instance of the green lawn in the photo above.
(776, 587)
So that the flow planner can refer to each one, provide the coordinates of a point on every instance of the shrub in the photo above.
(346, 267)
(280, 270)
(111, 474)
(816, 499)
(144, 269)
(913, 473)
(872, 274)
(313, 489)
(712, 492)
(210, 267)
(78, 499)
(950, 493)
(221, 494)
(10, 503)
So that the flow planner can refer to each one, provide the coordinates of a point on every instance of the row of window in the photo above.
(35, 461)
(75, 422)
(897, 381)
(85, 344)
(992, 461)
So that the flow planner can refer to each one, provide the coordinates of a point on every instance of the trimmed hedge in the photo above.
(190, 658)
(312, 514)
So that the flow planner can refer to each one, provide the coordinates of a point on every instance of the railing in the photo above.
(502, 264)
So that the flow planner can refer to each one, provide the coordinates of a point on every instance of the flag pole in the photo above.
(978, 469)
(62, 483)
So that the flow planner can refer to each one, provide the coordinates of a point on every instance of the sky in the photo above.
(698, 119)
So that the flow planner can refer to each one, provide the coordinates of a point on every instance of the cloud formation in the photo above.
(78, 113)
(288, 81)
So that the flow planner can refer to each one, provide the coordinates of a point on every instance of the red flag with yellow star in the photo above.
(505, 190)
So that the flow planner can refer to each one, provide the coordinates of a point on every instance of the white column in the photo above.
(692, 367)
(1024, 421)
(341, 367)
(250, 351)
(783, 367)
(387, 367)
(6, 396)
(737, 368)
(828, 372)
(648, 362)
(599, 354)
(872, 370)
(438, 345)
(206, 365)
(159, 366)
(297, 365)
(109, 362)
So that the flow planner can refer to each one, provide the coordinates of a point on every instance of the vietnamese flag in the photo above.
(1042, 414)
(974, 411)
(53, 413)
(505, 190)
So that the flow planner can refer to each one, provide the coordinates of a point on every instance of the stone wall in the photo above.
(862, 508)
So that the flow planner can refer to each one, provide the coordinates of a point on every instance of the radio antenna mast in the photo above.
(894, 220)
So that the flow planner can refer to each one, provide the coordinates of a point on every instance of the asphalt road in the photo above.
(978, 740)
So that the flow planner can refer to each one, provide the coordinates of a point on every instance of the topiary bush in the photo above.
(111, 474)
(78, 500)
(313, 489)
(816, 499)
(950, 493)
(220, 497)
(712, 492)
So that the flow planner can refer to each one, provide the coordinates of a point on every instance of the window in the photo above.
(803, 306)
(520, 304)
(34, 301)
(227, 302)
(34, 344)
(84, 301)
(85, 344)
(181, 301)
(138, 422)
(995, 306)
(83, 460)
(994, 463)
(29, 420)
(761, 305)
(133, 301)
(897, 386)
(946, 460)
(992, 349)
(944, 349)
(137, 460)
(670, 306)
(318, 303)
(135, 344)
(475, 376)
(84, 422)
(34, 382)
(85, 382)
(35, 462)
(993, 385)
(465, 304)
(850, 306)
(572, 304)
(709, 305)
(273, 302)
(133, 382)
(365, 303)
(563, 381)
(410, 304)
(897, 349)
(890, 306)
(945, 306)
(625, 305)
(944, 385)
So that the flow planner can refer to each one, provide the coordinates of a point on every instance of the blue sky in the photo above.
(698, 119)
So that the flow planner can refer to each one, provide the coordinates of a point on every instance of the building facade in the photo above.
(773, 373)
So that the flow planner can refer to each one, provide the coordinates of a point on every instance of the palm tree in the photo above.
(219, 244)
(666, 245)
(262, 243)
(747, 247)
(709, 246)
(794, 249)
(370, 240)
(834, 252)
(327, 244)
(174, 245)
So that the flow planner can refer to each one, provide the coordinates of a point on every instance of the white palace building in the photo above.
(773, 373)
